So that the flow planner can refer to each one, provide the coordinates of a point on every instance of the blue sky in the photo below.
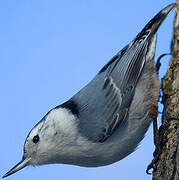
(48, 51)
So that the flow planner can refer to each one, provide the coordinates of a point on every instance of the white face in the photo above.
(52, 138)
(32, 143)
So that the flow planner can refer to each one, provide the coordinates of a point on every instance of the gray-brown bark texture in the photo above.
(168, 164)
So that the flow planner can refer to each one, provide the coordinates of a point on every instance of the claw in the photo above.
(158, 141)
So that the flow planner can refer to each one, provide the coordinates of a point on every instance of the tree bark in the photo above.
(168, 164)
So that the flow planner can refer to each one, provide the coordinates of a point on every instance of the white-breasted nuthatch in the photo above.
(105, 121)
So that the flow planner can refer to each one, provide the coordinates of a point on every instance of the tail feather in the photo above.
(152, 26)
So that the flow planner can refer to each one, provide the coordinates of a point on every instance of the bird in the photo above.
(106, 120)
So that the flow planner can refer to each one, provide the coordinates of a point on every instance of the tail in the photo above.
(152, 26)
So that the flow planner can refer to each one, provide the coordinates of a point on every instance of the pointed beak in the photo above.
(19, 166)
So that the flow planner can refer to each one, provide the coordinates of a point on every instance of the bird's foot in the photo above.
(159, 143)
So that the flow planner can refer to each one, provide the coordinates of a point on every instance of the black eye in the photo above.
(36, 139)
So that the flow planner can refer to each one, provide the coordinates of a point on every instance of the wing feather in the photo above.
(108, 96)
(103, 104)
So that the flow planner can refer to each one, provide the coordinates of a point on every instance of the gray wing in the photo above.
(104, 103)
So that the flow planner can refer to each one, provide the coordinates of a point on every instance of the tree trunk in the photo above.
(168, 164)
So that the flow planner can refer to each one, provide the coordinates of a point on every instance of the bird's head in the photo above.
(49, 141)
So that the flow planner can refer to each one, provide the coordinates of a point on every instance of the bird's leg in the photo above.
(158, 141)
(157, 151)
